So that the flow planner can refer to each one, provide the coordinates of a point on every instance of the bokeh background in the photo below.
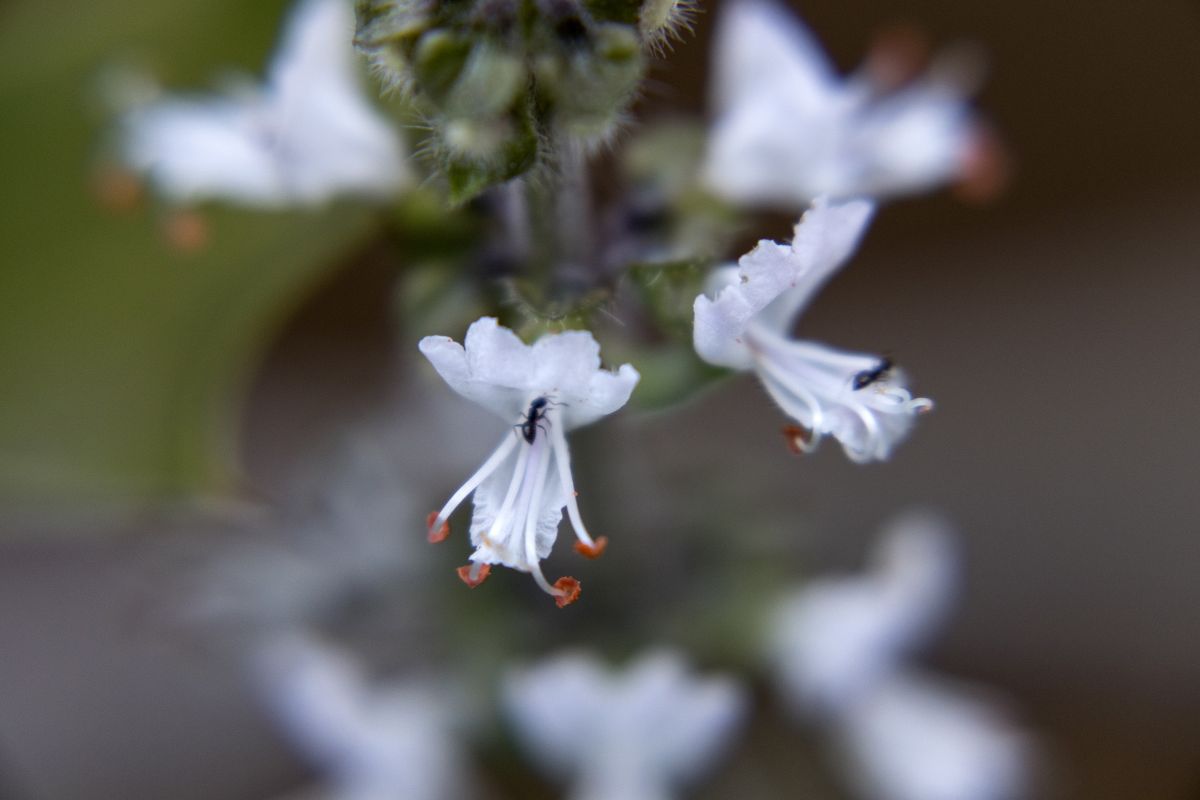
(157, 403)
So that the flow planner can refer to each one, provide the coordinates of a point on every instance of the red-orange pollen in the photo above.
(568, 589)
(474, 574)
(797, 438)
(594, 551)
(441, 532)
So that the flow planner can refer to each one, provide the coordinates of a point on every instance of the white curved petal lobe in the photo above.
(500, 372)
(778, 279)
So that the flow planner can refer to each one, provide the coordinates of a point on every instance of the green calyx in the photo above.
(501, 82)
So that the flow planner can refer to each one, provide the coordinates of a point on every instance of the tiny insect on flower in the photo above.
(519, 493)
(745, 325)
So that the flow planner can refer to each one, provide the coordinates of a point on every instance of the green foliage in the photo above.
(122, 358)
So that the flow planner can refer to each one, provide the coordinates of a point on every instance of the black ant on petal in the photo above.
(866, 377)
(530, 424)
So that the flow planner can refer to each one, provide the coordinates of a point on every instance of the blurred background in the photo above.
(161, 408)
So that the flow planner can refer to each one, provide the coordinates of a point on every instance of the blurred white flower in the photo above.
(835, 638)
(542, 390)
(858, 399)
(839, 649)
(337, 539)
(639, 734)
(370, 741)
(788, 129)
(924, 738)
(305, 136)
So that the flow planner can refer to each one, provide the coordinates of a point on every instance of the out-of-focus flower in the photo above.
(335, 541)
(923, 738)
(542, 390)
(788, 129)
(371, 741)
(305, 136)
(840, 648)
(835, 638)
(639, 734)
(858, 399)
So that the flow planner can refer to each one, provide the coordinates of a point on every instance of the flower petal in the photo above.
(498, 371)
(760, 47)
(494, 368)
(824, 238)
(634, 733)
(507, 547)
(919, 738)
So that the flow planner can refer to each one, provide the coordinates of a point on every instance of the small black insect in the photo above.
(536, 413)
(868, 376)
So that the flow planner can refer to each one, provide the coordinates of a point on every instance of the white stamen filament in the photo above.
(563, 458)
(501, 522)
(491, 465)
(539, 466)
(788, 391)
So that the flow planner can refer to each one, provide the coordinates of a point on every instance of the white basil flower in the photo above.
(370, 741)
(307, 134)
(858, 399)
(924, 738)
(789, 129)
(641, 733)
(542, 390)
(835, 638)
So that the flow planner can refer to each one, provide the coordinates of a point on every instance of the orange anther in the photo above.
(798, 439)
(441, 532)
(117, 189)
(595, 550)
(186, 231)
(986, 168)
(568, 591)
(897, 56)
(474, 574)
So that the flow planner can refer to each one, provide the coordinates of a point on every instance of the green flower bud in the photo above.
(498, 79)
(660, 21)
(589, 87)
(387, 33)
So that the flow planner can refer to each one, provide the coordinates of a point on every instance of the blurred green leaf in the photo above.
(122, 358)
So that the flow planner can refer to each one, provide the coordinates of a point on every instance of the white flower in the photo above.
(921, 738)
(372, 742)
(788, 129)
(305, 136)
(858, 399)
(840, 649)
(633, 735)
(542, 390)
(833, 639)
